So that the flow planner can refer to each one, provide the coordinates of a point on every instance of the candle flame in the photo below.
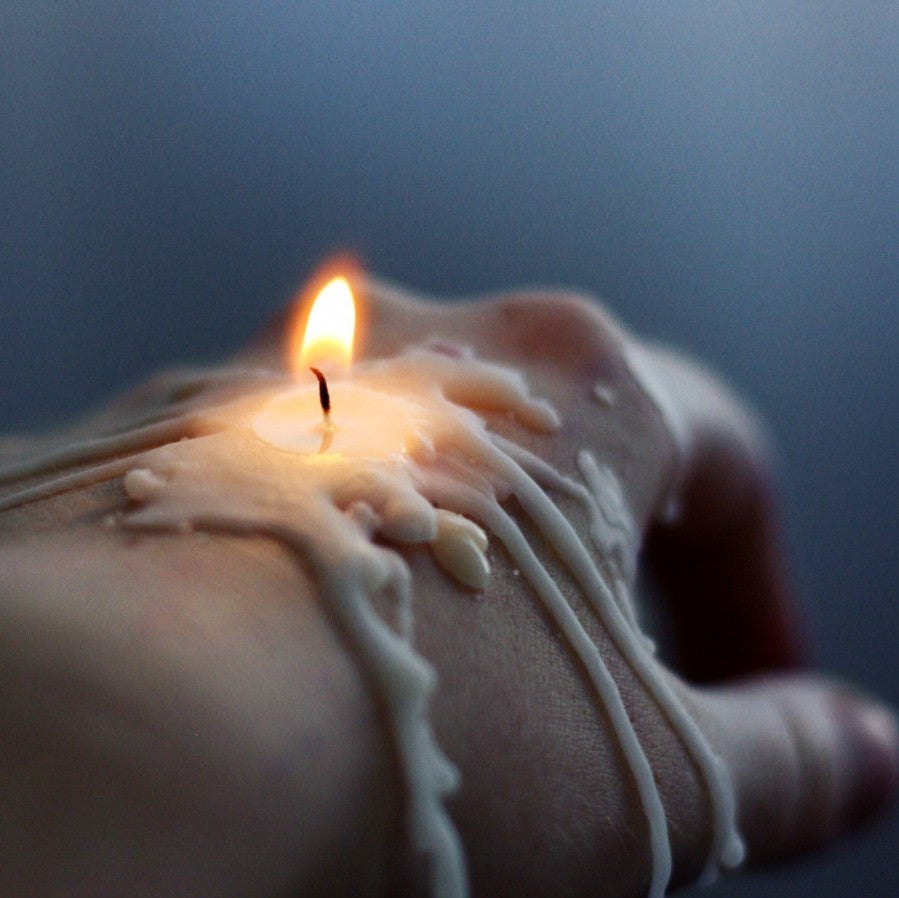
(328, 335)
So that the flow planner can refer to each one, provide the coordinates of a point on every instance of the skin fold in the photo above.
(181, 715)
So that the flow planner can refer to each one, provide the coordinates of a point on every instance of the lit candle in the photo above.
(365, 421)
(404, 457)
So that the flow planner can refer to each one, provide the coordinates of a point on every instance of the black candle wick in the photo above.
(323, 395)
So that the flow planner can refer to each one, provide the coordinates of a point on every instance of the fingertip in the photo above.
(810, 760)
(871, 733)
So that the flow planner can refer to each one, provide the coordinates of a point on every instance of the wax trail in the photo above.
(205, 469)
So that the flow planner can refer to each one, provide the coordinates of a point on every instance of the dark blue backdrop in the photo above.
(724, 174)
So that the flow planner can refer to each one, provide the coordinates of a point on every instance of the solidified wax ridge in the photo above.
(613, 532)
(501, 525)
(344, 517)
(46, 490)
(727, 847)
(182, 394)
(217, 484)
(90, 451)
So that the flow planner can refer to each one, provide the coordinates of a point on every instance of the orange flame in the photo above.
(327, 335)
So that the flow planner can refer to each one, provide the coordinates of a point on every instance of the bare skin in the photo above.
(181, 716)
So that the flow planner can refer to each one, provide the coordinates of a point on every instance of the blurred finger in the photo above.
(809, 758)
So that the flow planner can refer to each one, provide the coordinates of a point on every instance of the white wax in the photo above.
(362, 422)
(410, 462)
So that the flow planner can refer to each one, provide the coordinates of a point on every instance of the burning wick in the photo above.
(324, 397)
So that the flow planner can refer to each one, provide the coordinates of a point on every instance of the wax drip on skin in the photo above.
(198, 485)
(474, 384)
(614, 533)
(47, 489)
(612, 604)
(91, 450)
(619, 566)
(564, 541)
(459, 548)
(727, 847)
(141, 433)
(204, 483)
(499, 523)
(206, 492)
(612, 525)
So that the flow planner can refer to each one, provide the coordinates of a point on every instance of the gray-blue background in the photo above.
(725, 174)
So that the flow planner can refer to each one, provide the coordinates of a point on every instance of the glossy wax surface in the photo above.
(362, 422)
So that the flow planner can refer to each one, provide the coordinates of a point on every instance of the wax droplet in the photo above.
(459, 550)
(603, 394)
(408, 518)
(142, 484)
(734, 852)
